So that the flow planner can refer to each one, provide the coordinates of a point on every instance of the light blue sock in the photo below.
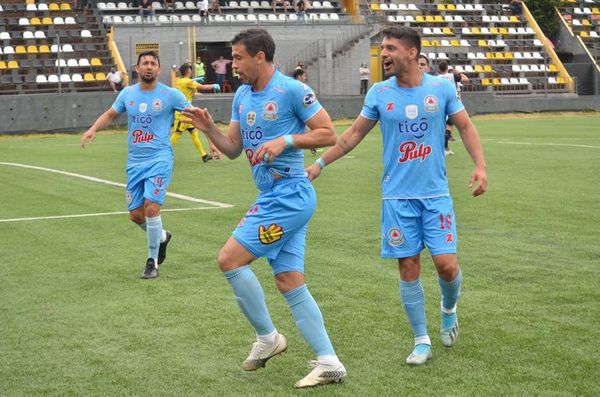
(251, 299)
(413, 300)
(154, 232)
(450, 291)
(309, 320)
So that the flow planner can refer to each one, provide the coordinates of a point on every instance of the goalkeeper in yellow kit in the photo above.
(188, 87)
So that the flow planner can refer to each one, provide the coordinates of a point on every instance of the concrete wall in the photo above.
(76, 112)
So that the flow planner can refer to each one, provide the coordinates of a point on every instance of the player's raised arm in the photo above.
(470, 138)
(346, 142)
(101, 122)
(230, 143)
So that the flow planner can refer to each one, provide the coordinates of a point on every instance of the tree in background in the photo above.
(545, 15)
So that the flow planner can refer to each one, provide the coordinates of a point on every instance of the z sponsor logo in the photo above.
(390, 106)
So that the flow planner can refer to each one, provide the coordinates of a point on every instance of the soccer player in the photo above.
(188, 87)
(150, 107)
(417, 209)
(269, 115)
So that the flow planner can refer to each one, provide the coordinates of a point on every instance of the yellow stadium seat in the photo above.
(47, 21)
(508, 55)
(447, 31)
(439, 18)
(429, 19)
(20, 49)
(503, 31)
(29, 1)
(475, 31)
(496, 82)
(65, 6)
(100, 76)
(95, 62)
(53, 7)
(478, 68)
(494, 31)
(425, 43)
(514, 19)
(450, 7)
(490, 55)
(553, 68)
(584, 34)
(31, 49)
(487, 68)
(435, 43)
(485, 82)
(454, 43)
(88, 77)
(35, 21)
(2, 65)
(441, 7)
(596, 11)
(586, 22)
(561, 80)
(44, 49)
(13, 65)
(482, 43)
(375, 7)
(419, 19)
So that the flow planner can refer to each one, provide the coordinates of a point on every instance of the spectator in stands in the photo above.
(300, 75)
(300, 65)
(285, 4)
(455, 77)
(424, 64)
(169, 5)
(516, 7)
(216, 5)
(200, 71)
(220, 67)
(203, 10)
(365, 74)
(145, 9)
(301, 11)
(116, 80)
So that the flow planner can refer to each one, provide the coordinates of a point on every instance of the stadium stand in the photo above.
(46, 47)
(585, 23)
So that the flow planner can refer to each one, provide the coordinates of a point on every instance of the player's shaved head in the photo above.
(410, 37)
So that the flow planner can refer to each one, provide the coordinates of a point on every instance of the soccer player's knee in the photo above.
(137, 217)
(448, 269)
(225, 261)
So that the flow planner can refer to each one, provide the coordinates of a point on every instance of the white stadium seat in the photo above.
(65, 78)
(53, 78)
(39, 34)
(84, 62)
(28, 35)
(41, 79)
(76, 78)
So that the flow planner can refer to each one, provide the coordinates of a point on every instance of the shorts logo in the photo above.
(131, 103)
(395, 237)
(156, 105)
(270, 111)
(143, 107)
(390, 106)
(270, 234)
(412, 111)
(128, 197)
(431, 103)
(251, 118)
(449, 238)
(309, 99)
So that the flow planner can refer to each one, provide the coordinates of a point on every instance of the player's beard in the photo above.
(148, 80)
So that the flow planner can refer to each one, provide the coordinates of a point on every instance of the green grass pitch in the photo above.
(77, 321)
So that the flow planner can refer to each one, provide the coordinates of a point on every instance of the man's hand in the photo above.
(269, 151)
(215, 153)
(479, 175)
(200, 118)
(313, 171)
(89, 135)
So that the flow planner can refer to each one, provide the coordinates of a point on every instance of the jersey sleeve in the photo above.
(179, 101)
(304, 101)
(119, 104)
(453, 102)
(370, 110)
(192, 85)
(235, 106)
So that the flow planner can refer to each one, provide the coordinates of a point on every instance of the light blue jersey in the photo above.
(413, 124)
(150, 115)
(282, 108)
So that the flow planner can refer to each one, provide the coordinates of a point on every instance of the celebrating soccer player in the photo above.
(417, 209)
(150, 107)
(268, 120)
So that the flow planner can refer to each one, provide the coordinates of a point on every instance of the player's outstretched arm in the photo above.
(345, 143)
(229, 144)
(101, 122)
(470, 138)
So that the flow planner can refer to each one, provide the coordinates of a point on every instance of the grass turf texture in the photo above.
(77, 320)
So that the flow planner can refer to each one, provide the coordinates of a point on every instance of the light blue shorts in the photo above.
(275, 225)
(410, 225)
(147, 181)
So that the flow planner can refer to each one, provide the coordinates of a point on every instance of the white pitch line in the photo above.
(40, 218)
(106, 182)
(541, 144)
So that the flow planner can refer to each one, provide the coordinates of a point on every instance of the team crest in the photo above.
(309, 99)
(143, 107)
(271, 234)
(412, 111)
(270, 111)
(395, 237)
(431, 103)
(251, 118)
(156, 105)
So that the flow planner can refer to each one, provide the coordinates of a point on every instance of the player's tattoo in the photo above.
(346, 148)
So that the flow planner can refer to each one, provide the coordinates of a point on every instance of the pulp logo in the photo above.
(409, 151)
(140, 136)
(390, 106)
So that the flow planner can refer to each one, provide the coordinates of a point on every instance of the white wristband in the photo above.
(321, 162)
